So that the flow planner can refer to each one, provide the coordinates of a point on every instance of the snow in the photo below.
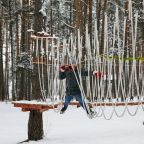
(73, 127)
(48, 102)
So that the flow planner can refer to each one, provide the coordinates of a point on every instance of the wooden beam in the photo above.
(44, 107)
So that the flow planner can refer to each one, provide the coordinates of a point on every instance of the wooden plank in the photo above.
(25, 110)
(117, 103)
(39, 107)
(44, 107)
(31, 106)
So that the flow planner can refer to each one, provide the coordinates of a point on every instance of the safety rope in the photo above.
(122, 75)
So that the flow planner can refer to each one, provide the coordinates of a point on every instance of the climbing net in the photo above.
(121, 64)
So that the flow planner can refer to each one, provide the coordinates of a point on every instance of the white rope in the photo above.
(39, 72)
(124, 82)
(79, 83)
(42, 71)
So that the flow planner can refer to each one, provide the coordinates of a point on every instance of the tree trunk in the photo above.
(98, 14)
(24, 48)
(103, 26)
(7, 63)
(90, 18)
(1, 61)
(12, 43)
(35, 125)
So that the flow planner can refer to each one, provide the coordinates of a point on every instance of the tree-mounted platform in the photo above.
(38, 106)
(44, 106)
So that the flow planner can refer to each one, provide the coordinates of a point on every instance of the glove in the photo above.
(98, 74)
(62, 68)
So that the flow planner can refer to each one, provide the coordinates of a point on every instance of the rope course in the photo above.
(122, 83)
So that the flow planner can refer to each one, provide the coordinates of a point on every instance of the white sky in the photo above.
(73, 127)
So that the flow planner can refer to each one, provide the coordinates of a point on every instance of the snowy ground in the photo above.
(73, 127)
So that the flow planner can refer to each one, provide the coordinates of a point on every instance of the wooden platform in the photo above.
(41, 107)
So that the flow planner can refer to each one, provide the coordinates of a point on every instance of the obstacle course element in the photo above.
(38, 106)
(119, 57)
(43, 106)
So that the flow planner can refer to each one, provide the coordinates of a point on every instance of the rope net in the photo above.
(122, 67)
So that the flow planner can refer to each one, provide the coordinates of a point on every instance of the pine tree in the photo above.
(2, 97)
(35, 125)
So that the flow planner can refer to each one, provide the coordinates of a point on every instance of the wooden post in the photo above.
(35, 125)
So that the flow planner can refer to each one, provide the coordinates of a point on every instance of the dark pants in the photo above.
(78, 98)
